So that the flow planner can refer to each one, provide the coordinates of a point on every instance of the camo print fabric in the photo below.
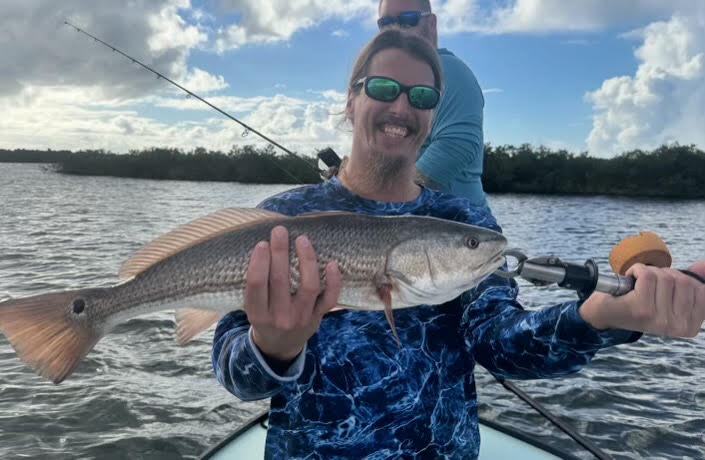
(353, 393)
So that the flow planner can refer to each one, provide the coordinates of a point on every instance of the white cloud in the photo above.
(80, 93)
(541, 16)
(492, 90)
(84, 96)
(199, 81)
(303, 125)
(663, 102)
(334, 96)
(340, 33)
(171, 31)
(39, 50)
(272, 21)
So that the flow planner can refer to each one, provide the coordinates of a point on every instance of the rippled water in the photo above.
(139, 395)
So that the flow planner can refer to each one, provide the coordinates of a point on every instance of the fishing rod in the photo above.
(584, 279)
(248, 128)
(560, 424)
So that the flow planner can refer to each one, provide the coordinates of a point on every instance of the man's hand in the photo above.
(664, 302)
(282, 323)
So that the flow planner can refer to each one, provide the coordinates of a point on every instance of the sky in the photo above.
(602, 76)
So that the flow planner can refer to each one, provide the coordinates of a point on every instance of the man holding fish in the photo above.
(289, 276)
(339, 382)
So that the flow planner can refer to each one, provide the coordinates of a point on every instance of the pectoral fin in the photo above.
(191, 321)
(384, 291)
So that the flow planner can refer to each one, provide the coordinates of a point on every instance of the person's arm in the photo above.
(242, 368)
(258, 351)
(514, 343)
(456, 140)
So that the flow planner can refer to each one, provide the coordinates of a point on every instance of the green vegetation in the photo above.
(673, 171)
(33, 156)
(247, 164)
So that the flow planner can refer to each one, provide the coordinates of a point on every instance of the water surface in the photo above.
(139, 395)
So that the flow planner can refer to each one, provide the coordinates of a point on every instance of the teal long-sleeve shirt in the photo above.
(452, 155)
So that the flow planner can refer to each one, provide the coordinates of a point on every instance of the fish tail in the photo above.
(45, 336)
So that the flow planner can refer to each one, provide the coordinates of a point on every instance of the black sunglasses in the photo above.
(405, 19)
(385, 89)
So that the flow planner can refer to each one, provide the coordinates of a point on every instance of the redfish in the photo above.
(200, 270)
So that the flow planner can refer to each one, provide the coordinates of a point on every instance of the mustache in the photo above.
(394, 119)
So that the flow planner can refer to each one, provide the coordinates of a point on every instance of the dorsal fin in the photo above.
(190, 234)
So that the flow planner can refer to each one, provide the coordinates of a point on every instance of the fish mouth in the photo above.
(488, 268)
(496, 261)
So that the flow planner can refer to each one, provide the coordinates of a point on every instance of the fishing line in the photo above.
(159, 75)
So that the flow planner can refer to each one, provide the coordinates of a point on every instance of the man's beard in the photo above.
(384, 170)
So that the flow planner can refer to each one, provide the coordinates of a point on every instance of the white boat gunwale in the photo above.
(262, 417)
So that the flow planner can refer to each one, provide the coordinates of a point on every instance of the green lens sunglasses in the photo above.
(386, 89)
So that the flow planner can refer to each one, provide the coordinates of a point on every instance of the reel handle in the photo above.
(646, 248)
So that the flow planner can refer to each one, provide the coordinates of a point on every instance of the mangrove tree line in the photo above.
(676, 171)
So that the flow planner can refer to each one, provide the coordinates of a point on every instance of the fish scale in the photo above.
(200, 269)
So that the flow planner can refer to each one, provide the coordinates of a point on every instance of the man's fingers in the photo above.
(279, 284)
(665, 297)
(685, 304)
(310, 284)
(698, 268)
(257, 289)
(685, 298)
(334, 284)
(699, 309)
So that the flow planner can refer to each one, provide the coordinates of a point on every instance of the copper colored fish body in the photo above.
(200, 270)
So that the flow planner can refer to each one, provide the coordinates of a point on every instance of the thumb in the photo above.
(698, 268)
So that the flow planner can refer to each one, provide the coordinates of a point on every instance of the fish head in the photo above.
(435, 266)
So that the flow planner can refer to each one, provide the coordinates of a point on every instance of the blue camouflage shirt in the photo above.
(354, 392)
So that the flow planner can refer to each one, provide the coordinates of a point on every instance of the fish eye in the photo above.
(472, 242)
(79, 305)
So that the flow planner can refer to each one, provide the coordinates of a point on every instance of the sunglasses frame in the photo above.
(364, 82)
(413, 18)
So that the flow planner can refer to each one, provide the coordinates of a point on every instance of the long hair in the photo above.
(416, 46)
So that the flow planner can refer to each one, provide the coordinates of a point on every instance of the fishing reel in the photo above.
(584, 279)
(646, 248)
(328, 163)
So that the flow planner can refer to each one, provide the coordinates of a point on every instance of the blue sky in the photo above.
(590, 75)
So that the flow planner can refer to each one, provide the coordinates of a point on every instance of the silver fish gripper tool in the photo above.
(584, 279)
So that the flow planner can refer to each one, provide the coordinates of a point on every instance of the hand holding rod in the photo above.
(584, 279)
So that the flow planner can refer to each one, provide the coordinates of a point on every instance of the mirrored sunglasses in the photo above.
(405, 19)
(386, 89)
